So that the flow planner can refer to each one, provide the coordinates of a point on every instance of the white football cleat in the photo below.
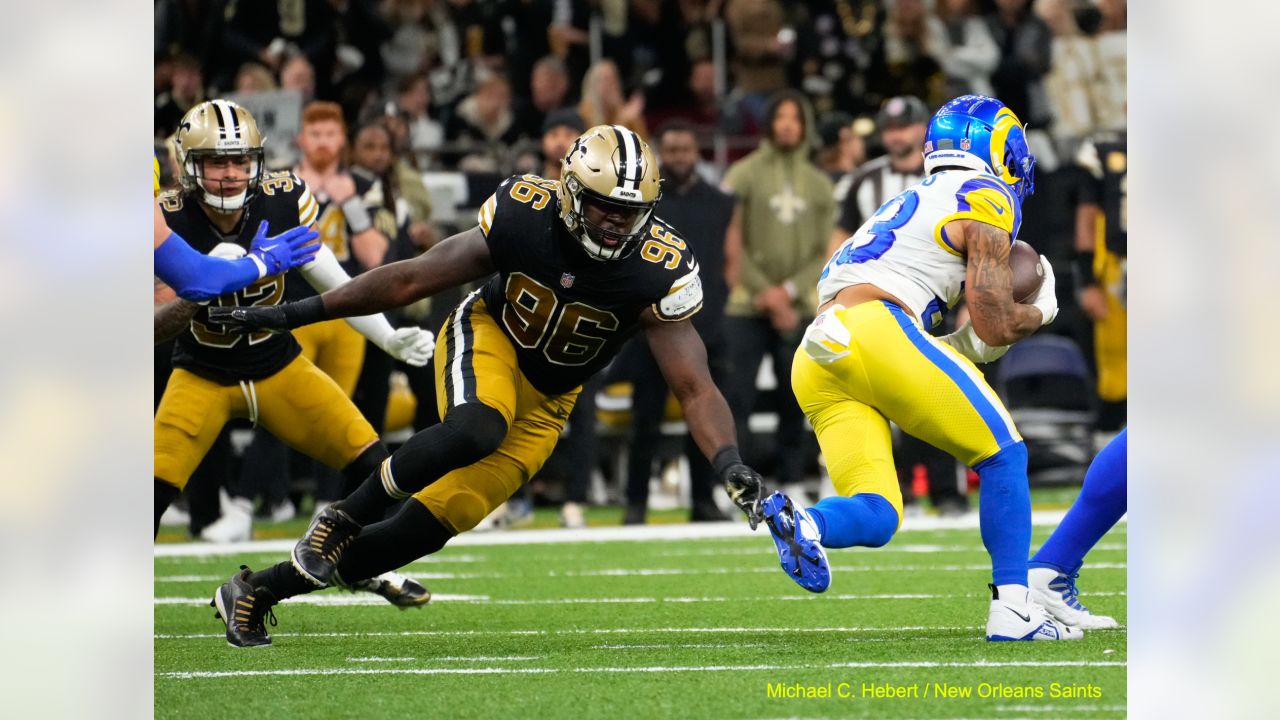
(1009, 620)
(235, 525)
(1058, 594)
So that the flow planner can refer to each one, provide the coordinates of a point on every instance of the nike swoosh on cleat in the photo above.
(1025, 618)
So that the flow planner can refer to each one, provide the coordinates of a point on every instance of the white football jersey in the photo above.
(903, 249)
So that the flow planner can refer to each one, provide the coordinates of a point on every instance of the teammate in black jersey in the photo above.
(218, 375)
(581, 265)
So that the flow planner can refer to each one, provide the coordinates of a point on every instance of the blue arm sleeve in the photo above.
(198, 277)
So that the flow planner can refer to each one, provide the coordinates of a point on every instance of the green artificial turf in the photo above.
(657, 628)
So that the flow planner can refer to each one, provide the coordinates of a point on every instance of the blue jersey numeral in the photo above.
(891, 216)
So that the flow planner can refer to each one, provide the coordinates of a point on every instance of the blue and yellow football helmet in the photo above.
(980, 133)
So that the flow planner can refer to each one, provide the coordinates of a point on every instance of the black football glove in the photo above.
(244, 320)
(743, 485)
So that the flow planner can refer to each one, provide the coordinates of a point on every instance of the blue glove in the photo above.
(288, 250)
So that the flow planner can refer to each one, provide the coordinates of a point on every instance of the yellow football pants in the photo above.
(1111, 334)
(476, 362)
(891, 370)
(336, 348)
(301, 405)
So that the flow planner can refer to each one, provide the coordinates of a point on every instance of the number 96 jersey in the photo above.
(904, 250)
(568, 314)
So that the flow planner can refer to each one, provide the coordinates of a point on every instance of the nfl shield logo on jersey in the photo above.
(566, 280)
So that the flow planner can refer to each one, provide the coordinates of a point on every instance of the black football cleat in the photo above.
(243, 608)
(402, 591)
(317, 554)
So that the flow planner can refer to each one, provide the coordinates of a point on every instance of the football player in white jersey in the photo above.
(866, 359)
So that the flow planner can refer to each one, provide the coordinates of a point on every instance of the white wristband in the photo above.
(358, 218)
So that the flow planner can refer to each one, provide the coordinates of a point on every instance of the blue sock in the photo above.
(865, 519)
(1004, 512)
(1102, 502)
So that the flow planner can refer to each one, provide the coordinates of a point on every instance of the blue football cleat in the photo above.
(796, 537)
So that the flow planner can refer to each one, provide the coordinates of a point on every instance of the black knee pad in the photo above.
(478, 430)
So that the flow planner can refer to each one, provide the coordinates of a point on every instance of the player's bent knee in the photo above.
(464, 509)
(479, 430)
(1011, 457)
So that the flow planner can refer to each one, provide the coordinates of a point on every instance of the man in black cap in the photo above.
(902, 122)
(559, 130)
(841, 149)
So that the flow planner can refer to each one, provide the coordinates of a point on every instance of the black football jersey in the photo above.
(335, 233)
(567, 313)
(205, 349)
(1106, 158)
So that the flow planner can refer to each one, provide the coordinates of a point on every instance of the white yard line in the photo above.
(646, 533)
(199, 674)
(653, 572)
(347, 600)
(332, 599)
(772, 630)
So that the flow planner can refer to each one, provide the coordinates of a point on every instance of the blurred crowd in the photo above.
(796, 119)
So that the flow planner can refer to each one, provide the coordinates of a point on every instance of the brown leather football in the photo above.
(1028, 275)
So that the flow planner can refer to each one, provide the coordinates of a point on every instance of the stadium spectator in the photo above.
(184, 27)
(1024, 42)
(912, 70)
(297, 73)
(840, 148)
(420, 30)
(603, 102)
(407, 172)
(761, 50)
(783, 220)
(960, 42)
(1072, 73)
(359, 32)
(698, 106)
(840, 53)
(483, 125)
(1111, 88)
(568, 34)
(254, 77)
(702, 214)
(186, 90)
(548, 91)
(269, 32)
(413, 98)
(559, 130)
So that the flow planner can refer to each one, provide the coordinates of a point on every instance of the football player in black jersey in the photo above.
(218, 375)
(581, 265)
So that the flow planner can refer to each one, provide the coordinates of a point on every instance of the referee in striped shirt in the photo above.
(902, 123)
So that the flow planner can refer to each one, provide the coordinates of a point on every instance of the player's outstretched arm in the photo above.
(459, 259)
(997, 319)
(198, 277)
(683, 360)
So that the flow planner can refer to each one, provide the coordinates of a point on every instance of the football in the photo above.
(1028, 274)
